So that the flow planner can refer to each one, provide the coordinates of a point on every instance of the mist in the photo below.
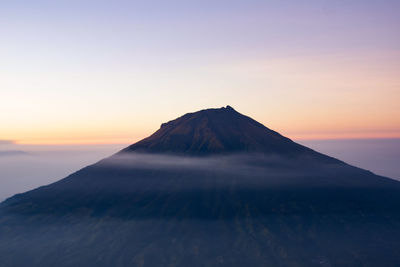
(222, 163)
(25, 167)
(381, 156)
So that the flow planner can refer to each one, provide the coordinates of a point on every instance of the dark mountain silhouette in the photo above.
(211, 188)
(214, 131)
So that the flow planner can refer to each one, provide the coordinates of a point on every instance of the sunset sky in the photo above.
(84, 72)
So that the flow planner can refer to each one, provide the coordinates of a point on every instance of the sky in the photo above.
(110, 72)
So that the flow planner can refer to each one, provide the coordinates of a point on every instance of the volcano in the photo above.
(215, 131)
(211, 188)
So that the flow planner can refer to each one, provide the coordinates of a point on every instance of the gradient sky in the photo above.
(112, 71)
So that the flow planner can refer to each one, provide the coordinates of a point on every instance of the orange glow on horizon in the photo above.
(320, 97)
(345, 136)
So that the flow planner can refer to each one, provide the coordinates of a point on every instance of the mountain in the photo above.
(211, 188)
(213, 131)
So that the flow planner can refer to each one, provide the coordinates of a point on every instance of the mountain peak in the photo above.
(215, 131)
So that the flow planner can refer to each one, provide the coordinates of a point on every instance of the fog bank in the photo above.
(34, 166)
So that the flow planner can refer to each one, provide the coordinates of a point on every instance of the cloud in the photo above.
(7, 142)
(248, 164)
(12, 153)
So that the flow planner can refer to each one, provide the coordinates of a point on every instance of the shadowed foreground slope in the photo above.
(211, 188)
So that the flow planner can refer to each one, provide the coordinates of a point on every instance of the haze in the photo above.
(42, 165)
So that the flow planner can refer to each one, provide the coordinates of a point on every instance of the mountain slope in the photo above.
(215, 131)
(211, 188)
